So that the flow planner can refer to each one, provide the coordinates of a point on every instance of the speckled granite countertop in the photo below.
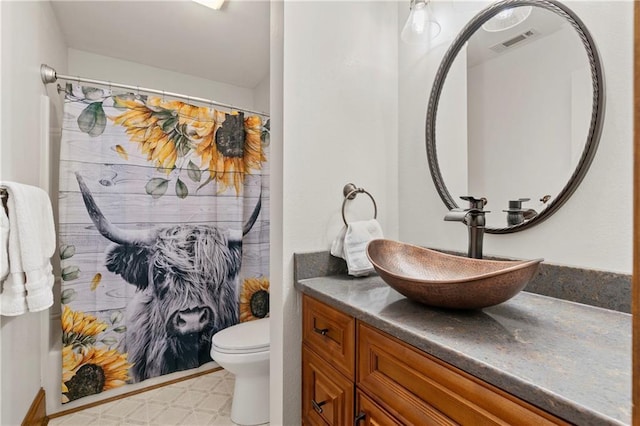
(570, 359)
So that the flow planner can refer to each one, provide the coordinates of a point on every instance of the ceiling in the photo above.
(543, 22)
(230, 45)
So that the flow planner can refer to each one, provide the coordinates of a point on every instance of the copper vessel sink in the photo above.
(447, 281)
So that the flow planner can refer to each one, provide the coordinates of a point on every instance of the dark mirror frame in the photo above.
(597, 114)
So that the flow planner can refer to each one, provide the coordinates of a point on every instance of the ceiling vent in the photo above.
(514, 41)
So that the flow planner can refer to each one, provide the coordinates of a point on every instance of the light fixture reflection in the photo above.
(420, 27)
(507, 18)
(212, 4)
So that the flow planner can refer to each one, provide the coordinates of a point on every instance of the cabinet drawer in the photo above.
(419, 389)
(327, 396)
(331, 334)
(370, 413)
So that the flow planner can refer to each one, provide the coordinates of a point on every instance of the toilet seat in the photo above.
(246, 337)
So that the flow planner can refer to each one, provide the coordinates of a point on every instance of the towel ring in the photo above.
(350, 191)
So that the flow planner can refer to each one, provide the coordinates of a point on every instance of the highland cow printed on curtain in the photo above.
(164, 226)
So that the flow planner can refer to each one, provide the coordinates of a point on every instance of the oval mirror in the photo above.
(515, 112)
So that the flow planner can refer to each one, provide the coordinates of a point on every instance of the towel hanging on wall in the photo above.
(351, 242)
(351, 245)
(28, 239)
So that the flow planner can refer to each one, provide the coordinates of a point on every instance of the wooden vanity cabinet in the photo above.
(331, 334)
(385, 381)
(327, 396)
(417, 388)
(328, 364)
(368, 413)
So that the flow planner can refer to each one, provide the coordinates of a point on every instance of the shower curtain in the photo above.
(164, 227)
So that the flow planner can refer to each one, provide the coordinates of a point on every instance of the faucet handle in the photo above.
(460, 215)
(517, 204)
(516, 214)
(474, 210)
(475, 203)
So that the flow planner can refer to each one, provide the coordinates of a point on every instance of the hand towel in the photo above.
(4, 245)
(351, 244)
(337, 246)
(32, 240)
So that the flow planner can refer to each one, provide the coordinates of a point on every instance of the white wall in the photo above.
(593, 229)
(261, 95)
(339, 108)
(279, 292)
(30, 36)
(91, 65)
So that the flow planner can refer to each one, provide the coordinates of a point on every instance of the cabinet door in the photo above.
(327, 396)
(371, 414)
(420, 389)
(331, 334)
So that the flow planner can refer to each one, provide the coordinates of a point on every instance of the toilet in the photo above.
(243, 350)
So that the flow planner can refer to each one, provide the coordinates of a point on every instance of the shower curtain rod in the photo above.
(49, 75)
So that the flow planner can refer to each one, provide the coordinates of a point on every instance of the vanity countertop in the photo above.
(570, 359)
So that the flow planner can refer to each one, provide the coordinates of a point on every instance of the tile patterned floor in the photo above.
(204, 400)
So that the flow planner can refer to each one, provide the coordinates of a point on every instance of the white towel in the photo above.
(351, 244)
(4, 244)
(31, 243)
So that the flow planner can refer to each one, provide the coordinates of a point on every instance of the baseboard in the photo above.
(37, 414)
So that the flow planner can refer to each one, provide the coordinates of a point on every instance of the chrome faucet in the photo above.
(474, 218)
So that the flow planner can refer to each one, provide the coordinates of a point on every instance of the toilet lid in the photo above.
(250, 336)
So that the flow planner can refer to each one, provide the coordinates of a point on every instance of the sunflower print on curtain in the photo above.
(164, 227)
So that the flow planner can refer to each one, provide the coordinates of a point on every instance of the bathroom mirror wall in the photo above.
(515, 112)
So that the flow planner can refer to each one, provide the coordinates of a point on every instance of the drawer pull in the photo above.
(318, 405)
(361, 416)
(321, 331)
